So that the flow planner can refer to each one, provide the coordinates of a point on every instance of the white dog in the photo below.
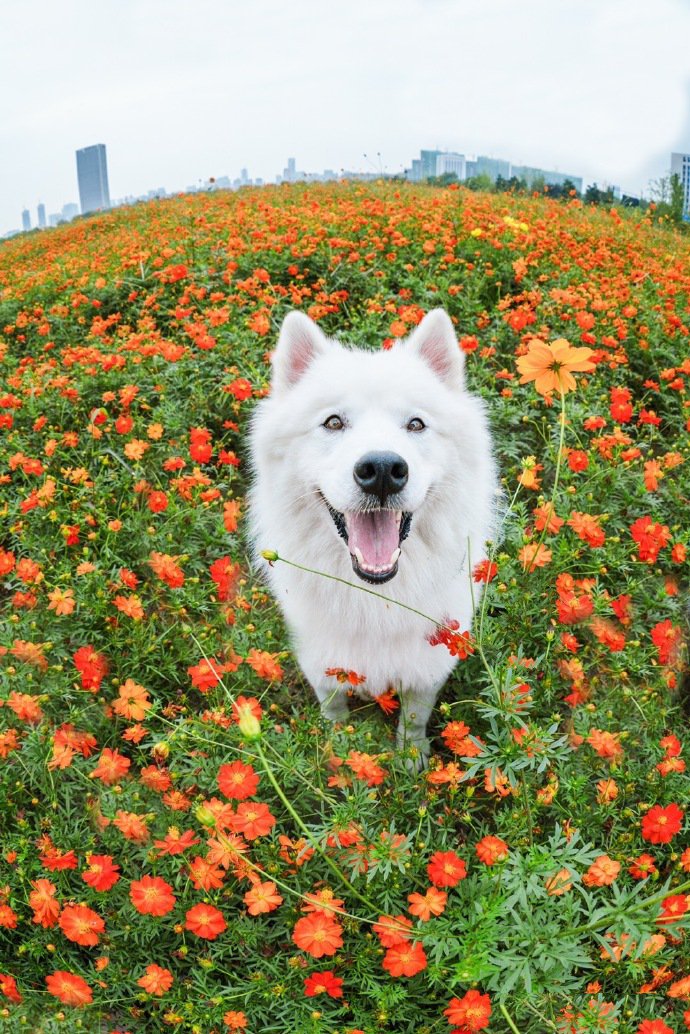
(374, 467)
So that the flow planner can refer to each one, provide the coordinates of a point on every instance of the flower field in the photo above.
(186, 846)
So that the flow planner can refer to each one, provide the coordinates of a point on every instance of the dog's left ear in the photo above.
(436, 343)
(301, 341)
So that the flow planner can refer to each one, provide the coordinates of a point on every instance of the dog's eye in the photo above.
(334, 423)
(415, 424)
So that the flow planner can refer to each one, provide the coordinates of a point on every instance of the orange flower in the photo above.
(445, 869)
(130, 606)
(237, 780)
(551, 366)
(69, 988)
(607, 791)
(152, 896)
(131, 825)
(405, 959)
(204, 874)
(263, 897)
(167, 569)
(111, 767)
(156, 980)
(366, 767)
(392, 930)
(253, 820)
(426, 905)
(235, 1020)
(81, 924)
(62, 601)
(205, 921)
(491, 850)
(133, 701)
(318, 934)
(472, 1011)
(102, 873)
(558, 884)
(602, 872)
(42, 900)
(534, 555)
(606, 744)
(265, 665)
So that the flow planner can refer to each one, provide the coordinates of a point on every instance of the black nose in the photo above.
(381, 474)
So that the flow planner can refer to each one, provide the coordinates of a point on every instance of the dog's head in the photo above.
(369, 432)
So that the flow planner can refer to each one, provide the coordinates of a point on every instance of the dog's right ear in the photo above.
(299, 344)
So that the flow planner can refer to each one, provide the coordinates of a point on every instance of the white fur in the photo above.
(451, 493)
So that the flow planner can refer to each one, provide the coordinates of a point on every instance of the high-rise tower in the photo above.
(92, 172)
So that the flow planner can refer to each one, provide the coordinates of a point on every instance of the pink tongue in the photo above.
(375, 534)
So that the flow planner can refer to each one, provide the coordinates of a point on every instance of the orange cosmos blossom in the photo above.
(205, 921)
(318, 934)
(551, 366)
(81, 924)
(425, 905)
(602, 872)
(152, 896)
(473, 1011)
(42, 900)
(491, 850)
(69, 988)
(263, 897)
(133, 701)
(111, 767)
(253, 819)
(405, 959)
(156, 980)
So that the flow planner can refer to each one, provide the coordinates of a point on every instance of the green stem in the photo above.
(308, 834)
(353, 585)
(528, 810)
(606, 921)
(508, 1019)
(551, 505)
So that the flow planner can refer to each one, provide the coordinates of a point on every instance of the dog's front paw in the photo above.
(336, 710)
(416, 750)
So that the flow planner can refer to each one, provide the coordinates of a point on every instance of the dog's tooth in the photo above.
(358, 556)
(394, 556)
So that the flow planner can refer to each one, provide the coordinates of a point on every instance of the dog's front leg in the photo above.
(333, 701)
(416, 706)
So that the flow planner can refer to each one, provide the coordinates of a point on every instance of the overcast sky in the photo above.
(181, 90)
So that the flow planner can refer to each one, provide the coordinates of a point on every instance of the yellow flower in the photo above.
(551, 366)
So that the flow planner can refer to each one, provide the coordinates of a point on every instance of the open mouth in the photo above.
(374, 538)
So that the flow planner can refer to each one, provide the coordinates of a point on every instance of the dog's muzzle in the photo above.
(374, 538)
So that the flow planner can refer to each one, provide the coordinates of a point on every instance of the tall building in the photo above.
(680, 165)
(26, 220)
(449, 161)
(428, 160)
(42, 216)
(290, 171)
(92, 173)
(533, 176)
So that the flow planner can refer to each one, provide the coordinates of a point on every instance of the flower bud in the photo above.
(249, 724)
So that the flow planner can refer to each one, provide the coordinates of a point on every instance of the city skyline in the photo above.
(94, 162)
(181, 99)
(430, 163)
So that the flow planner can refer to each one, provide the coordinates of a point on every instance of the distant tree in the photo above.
(596, 195)
(481, 182)
(677, 198)
(444, 180)
(562, 191)
(667, 194)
